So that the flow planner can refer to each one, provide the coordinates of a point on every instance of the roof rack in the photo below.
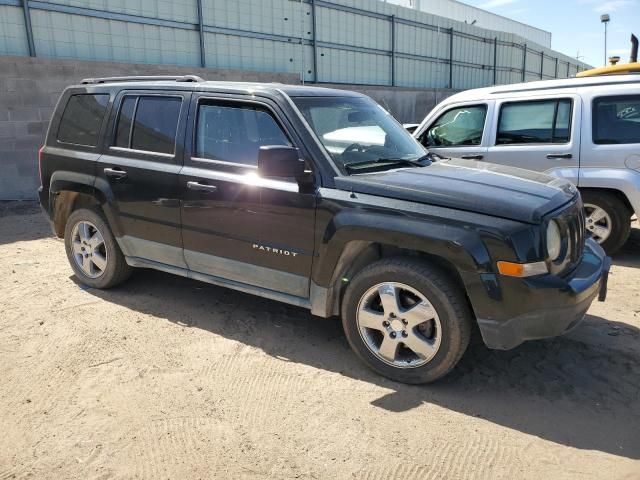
(148, 78)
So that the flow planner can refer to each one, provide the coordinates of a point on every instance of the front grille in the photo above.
(572, 225)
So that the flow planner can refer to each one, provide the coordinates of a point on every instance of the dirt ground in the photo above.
(170, 378)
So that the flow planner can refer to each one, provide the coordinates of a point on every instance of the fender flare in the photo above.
(350, 233)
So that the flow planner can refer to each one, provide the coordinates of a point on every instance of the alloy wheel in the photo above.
(598, 222)
(399, 325)
(89, 249)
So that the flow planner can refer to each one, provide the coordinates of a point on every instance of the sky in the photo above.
(575, 24)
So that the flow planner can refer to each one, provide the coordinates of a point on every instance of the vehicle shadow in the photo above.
(580, 393)
(629, 254)
(22, 221)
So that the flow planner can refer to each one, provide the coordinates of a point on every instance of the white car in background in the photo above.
(586, 130)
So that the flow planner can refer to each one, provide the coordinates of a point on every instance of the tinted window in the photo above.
(457, 127)
(154, 127)
(82, 118)
(235, 134)
(123, 131)
(546, 121)
(616, 119)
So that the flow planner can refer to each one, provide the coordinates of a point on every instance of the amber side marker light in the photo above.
(512, 269)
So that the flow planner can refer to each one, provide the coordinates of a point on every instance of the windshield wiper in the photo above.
(419, 162)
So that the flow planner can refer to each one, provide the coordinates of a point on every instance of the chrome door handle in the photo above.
(115, 173)
(201, 187)
(475, 156)
(551, 156)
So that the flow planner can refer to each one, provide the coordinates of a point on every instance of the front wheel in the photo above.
(406, 320)
(607, 219)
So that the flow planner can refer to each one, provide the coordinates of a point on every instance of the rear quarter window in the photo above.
(82, 118)
(616, 120)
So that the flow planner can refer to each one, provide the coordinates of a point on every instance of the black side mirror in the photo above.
(279, 161)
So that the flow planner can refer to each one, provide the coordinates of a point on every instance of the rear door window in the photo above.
(616, 120)
(148, 123)
(235, 132)
(539, 121)
(458, 127)
(82, 118)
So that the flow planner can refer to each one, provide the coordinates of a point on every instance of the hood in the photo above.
(486, 188)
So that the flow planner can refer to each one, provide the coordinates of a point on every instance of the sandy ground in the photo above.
(170, 378)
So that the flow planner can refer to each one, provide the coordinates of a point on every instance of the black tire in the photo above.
(117, 270)
(619, 214)
(439, 289)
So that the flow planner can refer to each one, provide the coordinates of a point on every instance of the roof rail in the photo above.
(148, 78)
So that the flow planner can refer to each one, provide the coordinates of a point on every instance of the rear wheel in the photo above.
(406, 320)
(92, 250)
(607, 218)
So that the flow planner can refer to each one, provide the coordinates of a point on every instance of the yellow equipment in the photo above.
(618, 69)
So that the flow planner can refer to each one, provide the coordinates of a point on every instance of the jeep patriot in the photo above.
(317, 198)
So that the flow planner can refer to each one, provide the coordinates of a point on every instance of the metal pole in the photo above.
(203, 57)
(605, 44)
(393, 50)
(541, 65)
(27, 27)
(313, 41)
(568, 65)
(451, 57)
(524, 62)
(556, 70)
(495, 60)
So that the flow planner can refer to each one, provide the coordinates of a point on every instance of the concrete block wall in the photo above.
(30, 88)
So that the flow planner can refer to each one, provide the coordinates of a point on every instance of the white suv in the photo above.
(586, 130)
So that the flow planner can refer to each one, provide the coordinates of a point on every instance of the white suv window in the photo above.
(616, 119)
(538, 121)
(458, 127)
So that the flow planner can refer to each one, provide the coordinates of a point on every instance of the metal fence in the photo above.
(343, 41)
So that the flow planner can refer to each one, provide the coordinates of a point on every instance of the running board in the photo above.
(221, 282)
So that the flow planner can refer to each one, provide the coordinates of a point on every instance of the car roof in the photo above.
(488, 93)
(197, 84)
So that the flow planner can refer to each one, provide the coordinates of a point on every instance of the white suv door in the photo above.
(459, 131)
(541, 134)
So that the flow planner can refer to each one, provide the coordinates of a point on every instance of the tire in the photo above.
(617, 214)
(107, 266)
(452, 322)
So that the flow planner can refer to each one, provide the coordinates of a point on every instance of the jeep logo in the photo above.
(279, 251)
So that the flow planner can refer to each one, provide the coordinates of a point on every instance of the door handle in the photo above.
(201, 187)
(115, 173)
(551, 156)
(474, 156)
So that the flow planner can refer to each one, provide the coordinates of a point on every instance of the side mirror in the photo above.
(279, 161)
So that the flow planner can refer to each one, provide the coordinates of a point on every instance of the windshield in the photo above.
(359, 132)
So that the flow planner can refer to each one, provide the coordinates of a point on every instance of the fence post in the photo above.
(313, 41)
(524, 62)
(495, 60)
(541, 64)
(27, 27)
(393, 50)
(568, 64)
(556, 71)
(451, 58)
(203, 57)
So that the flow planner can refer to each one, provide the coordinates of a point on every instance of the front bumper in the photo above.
(545, 306)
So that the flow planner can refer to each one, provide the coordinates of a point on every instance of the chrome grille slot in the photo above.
(572, 225)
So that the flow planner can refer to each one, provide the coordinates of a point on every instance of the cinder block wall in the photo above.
(30, 87)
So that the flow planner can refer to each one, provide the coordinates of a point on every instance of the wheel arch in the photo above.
(356, 254)
(70, 191)
(619, 194)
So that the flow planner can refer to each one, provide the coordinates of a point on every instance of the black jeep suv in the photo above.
(317, 198)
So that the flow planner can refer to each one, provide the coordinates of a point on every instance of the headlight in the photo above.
(554, 241)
